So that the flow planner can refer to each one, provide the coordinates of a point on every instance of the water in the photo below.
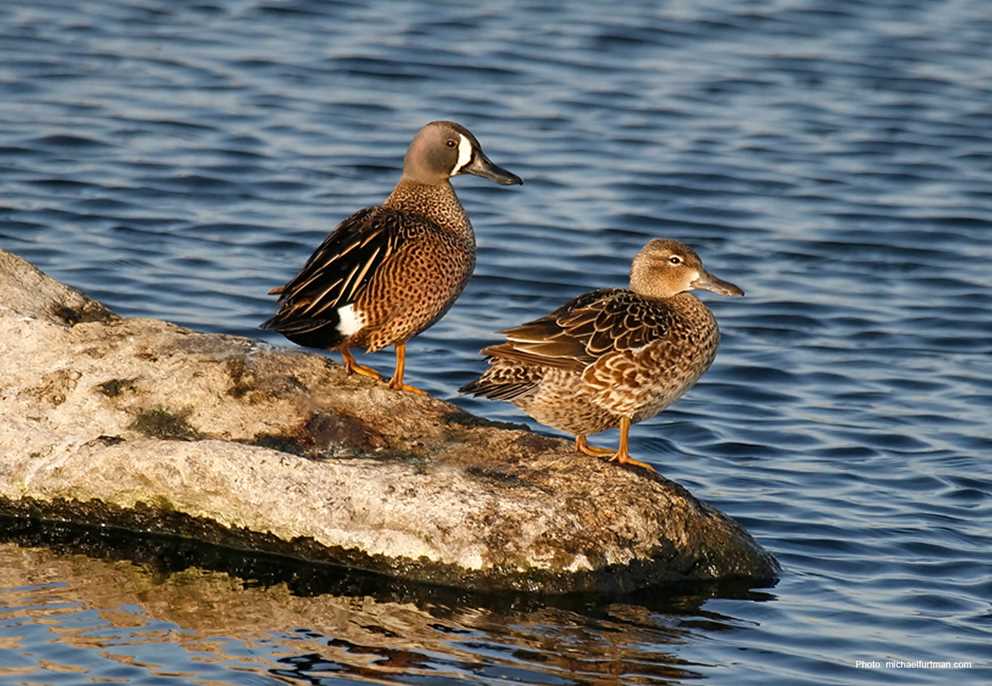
(177, 159)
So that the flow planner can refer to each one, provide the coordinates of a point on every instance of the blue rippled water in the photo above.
(176, 158)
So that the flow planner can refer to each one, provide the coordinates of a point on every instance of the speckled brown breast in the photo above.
(420, 281)
(415, 287)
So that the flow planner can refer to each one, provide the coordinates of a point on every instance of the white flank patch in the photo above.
(464, 154)
(351, 320)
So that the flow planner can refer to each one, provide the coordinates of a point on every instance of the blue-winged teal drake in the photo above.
(390, 271)
(612, 357)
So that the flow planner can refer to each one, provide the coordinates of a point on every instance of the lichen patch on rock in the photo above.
(161, 422)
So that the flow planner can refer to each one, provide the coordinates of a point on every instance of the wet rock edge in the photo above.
(144, 519)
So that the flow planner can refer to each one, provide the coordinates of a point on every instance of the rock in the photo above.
(149, 427)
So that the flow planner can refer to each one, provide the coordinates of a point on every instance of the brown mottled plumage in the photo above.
(612, 357)
(389, 272)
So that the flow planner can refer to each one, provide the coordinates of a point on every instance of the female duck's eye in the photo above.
(451, 143)
(675, 259)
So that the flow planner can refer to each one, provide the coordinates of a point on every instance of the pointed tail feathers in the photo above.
(310, 333)
(504, 383)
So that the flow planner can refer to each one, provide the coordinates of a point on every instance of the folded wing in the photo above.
(582, 331)
(337, 272)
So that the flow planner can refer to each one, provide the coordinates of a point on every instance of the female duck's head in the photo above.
(665, 268)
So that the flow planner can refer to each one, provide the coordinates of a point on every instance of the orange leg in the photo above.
(396, 383)
(622, 454)
(353, 367)
(582, 445)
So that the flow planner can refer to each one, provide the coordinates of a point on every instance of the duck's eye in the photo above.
(451, 142)
(675, 259)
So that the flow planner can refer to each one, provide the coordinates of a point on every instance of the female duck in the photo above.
(612, 357)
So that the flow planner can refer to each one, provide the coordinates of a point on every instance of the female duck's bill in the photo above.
(714, 284)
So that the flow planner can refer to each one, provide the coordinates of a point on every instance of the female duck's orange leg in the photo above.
(352, 367)
(622, 454)
(396, 383)
(582, 445)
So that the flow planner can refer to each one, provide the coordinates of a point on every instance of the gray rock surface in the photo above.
(147, 426)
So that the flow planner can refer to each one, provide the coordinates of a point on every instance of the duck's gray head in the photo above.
(664, 268)
(443, 149)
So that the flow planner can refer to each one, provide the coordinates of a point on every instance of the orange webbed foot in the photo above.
(352, 367)
(396, 385)
(582, 445)
(621, 457)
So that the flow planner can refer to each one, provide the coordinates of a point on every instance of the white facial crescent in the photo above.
(464, 154)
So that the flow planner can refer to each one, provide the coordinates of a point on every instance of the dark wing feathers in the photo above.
(502, 382)
(583, 330)
(337, 271)
(512, 351)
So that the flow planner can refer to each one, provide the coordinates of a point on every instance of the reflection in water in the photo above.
(123, 608)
